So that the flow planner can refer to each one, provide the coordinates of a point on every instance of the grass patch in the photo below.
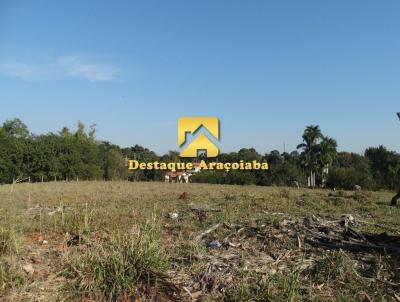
(10, 273)
(8, 242)
(334, 266)
(118, 267)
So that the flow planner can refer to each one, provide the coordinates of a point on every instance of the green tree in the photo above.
(15, 128)
(310, 146)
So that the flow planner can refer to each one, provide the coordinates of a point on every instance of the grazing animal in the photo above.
(177, 176)
(186, 177)
(395, 199)
(357, 188)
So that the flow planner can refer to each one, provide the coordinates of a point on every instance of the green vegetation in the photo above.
(10, 272)
(71, 156)
(117, 266)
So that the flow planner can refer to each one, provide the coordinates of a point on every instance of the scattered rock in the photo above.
(215, 244)
(28, 268)
(173, 215)
(45, 242)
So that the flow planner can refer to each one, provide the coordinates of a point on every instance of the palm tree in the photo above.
(310, 137)
(327, 152)
(310, 145)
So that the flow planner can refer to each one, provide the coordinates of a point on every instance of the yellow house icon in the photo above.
(201, 142)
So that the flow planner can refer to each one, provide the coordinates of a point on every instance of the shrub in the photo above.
(347, 178)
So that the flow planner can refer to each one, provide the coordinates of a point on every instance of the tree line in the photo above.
(78, 155)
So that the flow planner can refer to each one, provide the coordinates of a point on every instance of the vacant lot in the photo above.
(121, 241)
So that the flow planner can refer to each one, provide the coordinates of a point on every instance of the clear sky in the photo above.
(265, 68)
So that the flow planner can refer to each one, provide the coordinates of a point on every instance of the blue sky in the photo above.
(265, 68)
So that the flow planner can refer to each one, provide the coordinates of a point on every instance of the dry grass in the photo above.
(115, 241)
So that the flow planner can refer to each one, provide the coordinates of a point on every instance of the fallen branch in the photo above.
(208, 231)
(353, 247)
(203, 210)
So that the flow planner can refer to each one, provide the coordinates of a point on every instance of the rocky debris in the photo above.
(28, 269)
(173, 216)
(214, 244)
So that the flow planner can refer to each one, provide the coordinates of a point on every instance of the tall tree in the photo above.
(15, 128)
(310, 146)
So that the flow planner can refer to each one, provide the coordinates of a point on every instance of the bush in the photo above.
(347, 178)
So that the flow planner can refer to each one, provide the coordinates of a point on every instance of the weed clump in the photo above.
(118, 267)
(10, 274)
(333, 267)
(8, 242)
